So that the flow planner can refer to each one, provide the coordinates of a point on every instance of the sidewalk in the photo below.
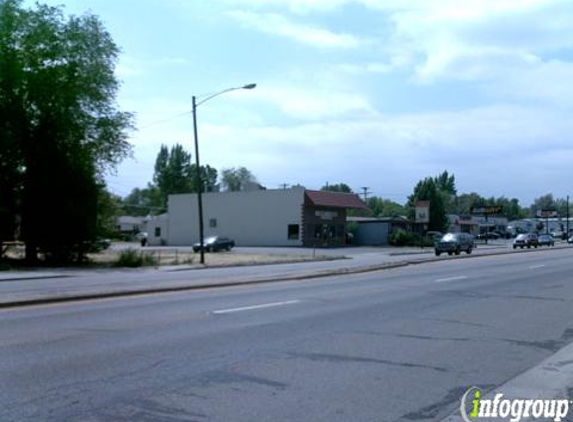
(23, 288)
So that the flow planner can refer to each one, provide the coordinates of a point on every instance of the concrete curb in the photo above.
(302, 276)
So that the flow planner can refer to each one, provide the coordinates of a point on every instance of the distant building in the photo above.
(372, 231)
(281, 217)
(128, 225)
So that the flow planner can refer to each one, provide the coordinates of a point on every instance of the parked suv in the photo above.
(452, 243)
(524, 240)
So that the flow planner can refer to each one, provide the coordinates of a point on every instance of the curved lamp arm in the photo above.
(248, 86)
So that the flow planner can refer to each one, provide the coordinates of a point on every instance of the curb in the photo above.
(323, 274)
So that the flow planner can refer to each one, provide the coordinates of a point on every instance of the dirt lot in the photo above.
(185, 256)
(173, 256)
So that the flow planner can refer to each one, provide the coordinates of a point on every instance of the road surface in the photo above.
(395, 345)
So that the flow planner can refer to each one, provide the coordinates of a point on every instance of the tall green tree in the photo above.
(385, 208)
(338, 187)
(236, 179)
(209, 175)
(446, 183)
(172, 172)
(427, 190)
(59, 124)
(142, 202)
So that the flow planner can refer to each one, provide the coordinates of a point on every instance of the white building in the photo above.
(286, 217)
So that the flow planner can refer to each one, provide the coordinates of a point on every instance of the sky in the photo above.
(371, 93)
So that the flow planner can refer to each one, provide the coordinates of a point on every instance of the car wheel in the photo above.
(438, 253)
(228, 248)
(450, 253)
(458, 251)
(514, 247)
(469, 251)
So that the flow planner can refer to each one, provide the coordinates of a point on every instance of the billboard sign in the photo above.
(546, 213)
(422, 209)
(487, 209)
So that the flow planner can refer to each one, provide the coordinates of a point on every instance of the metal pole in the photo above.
(567, 216)
(199, 184)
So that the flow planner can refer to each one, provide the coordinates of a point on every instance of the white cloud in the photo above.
(279, 25)
(314, 104)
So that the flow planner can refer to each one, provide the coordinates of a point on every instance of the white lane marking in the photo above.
(249, 308)
(536, 266)
(442, 280)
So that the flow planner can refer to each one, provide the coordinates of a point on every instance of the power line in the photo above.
(165, 120)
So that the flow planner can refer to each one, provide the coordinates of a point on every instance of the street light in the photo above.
(198, 175)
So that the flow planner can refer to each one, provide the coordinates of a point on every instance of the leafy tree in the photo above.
(60, 129)
(340, 187)
(427, 190)
(544, 202)
(465, 201)
(446, 183)
(385, 207)
(209, 176)
(236, 179)
(172, 172)
(142, 202)
(109, 208)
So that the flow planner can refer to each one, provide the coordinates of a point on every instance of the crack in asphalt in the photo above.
(333, 358)
(551, 345)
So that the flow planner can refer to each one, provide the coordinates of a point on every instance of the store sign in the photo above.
(487, 209)
(326, 215)
(546, 213)
(422, 210)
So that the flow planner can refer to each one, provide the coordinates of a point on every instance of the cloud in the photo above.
(275, 24)
(485, 147)
(130, 66)
(314, 104)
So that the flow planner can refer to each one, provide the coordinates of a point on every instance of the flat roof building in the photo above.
(282, 217)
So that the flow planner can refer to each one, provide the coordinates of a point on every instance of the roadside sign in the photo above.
(546, 213)
(487, 209)
(422, 212)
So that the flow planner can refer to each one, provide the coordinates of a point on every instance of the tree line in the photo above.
(442, 193)
(175, 173)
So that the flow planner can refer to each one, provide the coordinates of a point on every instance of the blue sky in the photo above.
(370, 93)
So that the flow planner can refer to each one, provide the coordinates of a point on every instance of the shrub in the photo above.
(134, 258)
(400, 238)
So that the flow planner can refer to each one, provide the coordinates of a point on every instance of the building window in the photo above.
(158, 232)
(293, 231)
(213, 222)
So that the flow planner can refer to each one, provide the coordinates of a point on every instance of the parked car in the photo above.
(452, 243)
(526, 240)
(215, 243)
(558, 234)
(490, 235)
(570, 240)
(546, 239)
(434, 235)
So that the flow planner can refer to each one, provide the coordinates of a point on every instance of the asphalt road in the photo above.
(401, 344)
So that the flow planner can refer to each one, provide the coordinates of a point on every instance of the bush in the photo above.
(134, 258)
(401, 238)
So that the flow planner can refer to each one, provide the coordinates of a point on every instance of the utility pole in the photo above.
(567, 217)
(365, 192)
(284, 185)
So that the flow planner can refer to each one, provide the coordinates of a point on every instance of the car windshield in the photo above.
(450, 237)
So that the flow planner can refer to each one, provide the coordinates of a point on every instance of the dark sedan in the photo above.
(215, 243)
(546, 239)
